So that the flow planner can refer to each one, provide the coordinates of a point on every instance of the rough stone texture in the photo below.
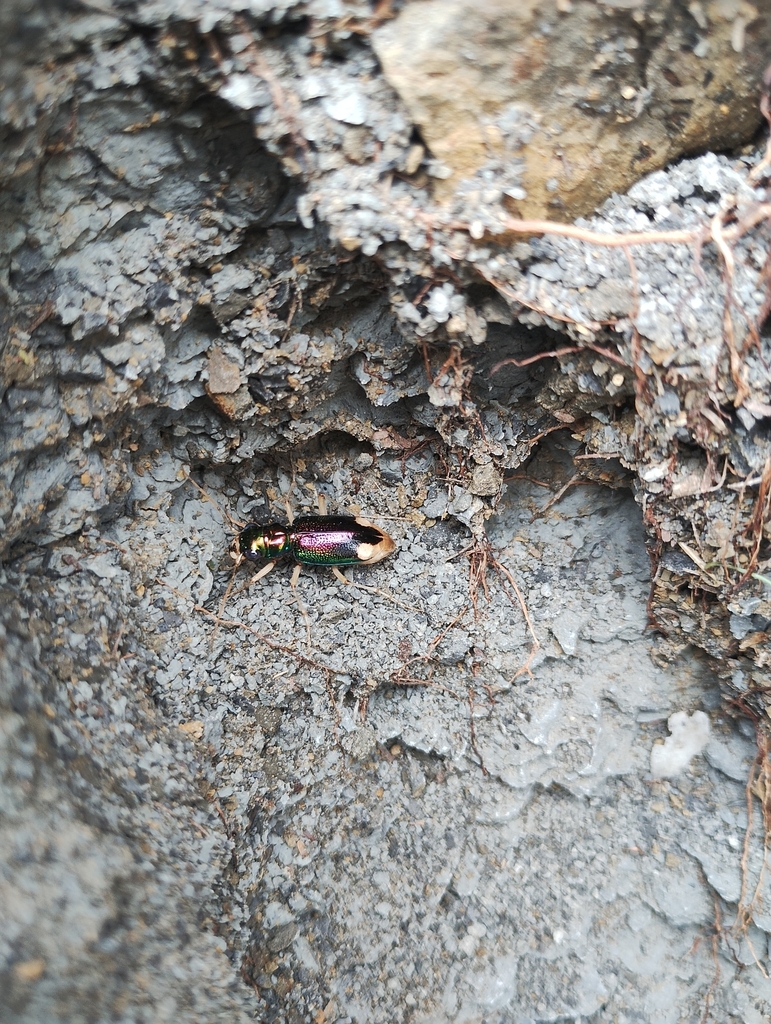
(223, 258)
(556, 105)
(112, 858)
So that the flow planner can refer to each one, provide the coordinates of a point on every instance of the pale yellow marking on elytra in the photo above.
(364, 552)
(368, 554)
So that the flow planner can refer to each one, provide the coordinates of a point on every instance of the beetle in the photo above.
(315, 540)
(323, 540)
(311, 540)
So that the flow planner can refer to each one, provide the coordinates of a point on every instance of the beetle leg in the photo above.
(372, 590)
(289, 513)
(262, 573)
(258, 576)
(234, 523)
(321, 501)
(300, 605)
(221, 608)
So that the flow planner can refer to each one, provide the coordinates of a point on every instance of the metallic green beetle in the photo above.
(316, 540)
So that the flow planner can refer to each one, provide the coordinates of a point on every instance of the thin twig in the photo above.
(718, 237)
(501, 569)
(575, 478)
(555, 354)
(302, 659)
(684, 236)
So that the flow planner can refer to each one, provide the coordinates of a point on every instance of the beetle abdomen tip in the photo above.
(375, 544)
(368, 553)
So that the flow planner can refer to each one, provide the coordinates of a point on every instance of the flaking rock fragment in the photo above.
(485, 481)
(224, 375)
(225, 389)
(564, 97)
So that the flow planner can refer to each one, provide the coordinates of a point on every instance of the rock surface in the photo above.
(557, 105)
(225, 257)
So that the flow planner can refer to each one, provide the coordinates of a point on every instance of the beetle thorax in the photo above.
(263, 541)
(276, 541)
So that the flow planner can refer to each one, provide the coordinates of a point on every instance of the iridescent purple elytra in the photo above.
(317, 540)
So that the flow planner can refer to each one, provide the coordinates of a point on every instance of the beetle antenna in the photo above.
(224, 601)
(234, 523)
(303, 611)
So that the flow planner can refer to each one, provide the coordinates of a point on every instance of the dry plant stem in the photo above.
(750, 481)
(635, 282)
(555, 354)
(718, 486)
(593, 325)
(744, 909)
(502, 570)
(755, 215)
(612, 241)
(223, 818)
(765, 802)
(751, 948)
(484, 555)
(530, 479)
(303, 610)
(407, 681)
(477, 574)
(221, 608)
(695, 237)
(575, 479)
(297, 300)
(758, 783)
(717, 235)
(115, 645)
(765, 309)
(760, 516)
(225, 516)
(640, 380)
(503, 289)
(590, 455)
(532, 441)
(399, 677)
(45, 311)
(373, 590)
